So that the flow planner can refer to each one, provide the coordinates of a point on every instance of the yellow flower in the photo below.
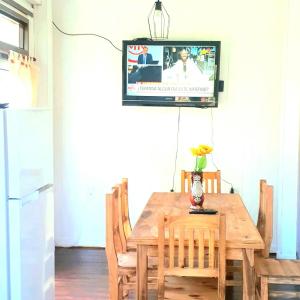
(194, 151)
(201, 150)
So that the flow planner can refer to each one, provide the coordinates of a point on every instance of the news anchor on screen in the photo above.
(145, 57)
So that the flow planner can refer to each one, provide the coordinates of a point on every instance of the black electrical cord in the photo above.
(212, 137)
(212, 157)
(176, 153)
(86, 34)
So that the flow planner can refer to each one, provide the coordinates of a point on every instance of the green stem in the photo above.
(200, 163)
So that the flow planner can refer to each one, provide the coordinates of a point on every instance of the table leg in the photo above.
(142, 272)
(248, 275)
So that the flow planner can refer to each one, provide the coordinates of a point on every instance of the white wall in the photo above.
(97, 141)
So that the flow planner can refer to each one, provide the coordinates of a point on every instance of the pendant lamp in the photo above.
(159, 22)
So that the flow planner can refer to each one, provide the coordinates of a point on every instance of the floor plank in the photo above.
(81, 274)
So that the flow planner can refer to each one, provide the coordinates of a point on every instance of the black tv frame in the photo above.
(169, 101)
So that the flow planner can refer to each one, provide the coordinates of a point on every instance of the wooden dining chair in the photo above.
(182, 249)
(264, 226)
(271, 270)
(123, 213)
(265, 216)
(211, 182)
(121, 263)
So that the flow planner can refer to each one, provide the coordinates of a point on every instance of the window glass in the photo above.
(14, 35)
(4, 80)
(9, 31)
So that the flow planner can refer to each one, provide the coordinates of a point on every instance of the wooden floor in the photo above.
(81, 274)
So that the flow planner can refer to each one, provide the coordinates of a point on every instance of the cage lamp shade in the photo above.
(159, 22)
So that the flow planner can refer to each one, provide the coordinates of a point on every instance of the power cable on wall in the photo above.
(86, 34)
(176, 152)
(212, 137)
(212, 158)
(178, 119)
(213, 144)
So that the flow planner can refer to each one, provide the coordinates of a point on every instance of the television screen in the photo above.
(171, 73)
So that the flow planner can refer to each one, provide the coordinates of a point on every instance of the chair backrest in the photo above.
(188, 238)
(125, 209)
(123, 213)
(114, 243)
(211, 182)
(265, 215)
(186, 181)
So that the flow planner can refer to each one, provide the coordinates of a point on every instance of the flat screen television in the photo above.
(171, 73)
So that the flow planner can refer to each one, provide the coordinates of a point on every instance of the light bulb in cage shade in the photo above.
(159, 22)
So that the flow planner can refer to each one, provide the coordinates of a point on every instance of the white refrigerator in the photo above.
(26, 205)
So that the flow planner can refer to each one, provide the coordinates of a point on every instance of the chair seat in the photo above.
(181, 288)
(129, 259)
(277, 267)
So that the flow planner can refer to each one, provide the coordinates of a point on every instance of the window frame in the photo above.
(23, 32)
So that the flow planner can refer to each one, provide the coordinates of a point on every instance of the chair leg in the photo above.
(161, 292)
(222, 281)
(257, 287)
(264, 291)
(113, 286)
(257, 295)
(125, 292)
(120, 290)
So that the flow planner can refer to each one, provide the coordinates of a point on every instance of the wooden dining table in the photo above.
(242, 236)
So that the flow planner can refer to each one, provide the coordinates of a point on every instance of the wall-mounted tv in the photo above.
(171, 73)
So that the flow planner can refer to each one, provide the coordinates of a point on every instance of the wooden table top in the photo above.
(240, 229)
